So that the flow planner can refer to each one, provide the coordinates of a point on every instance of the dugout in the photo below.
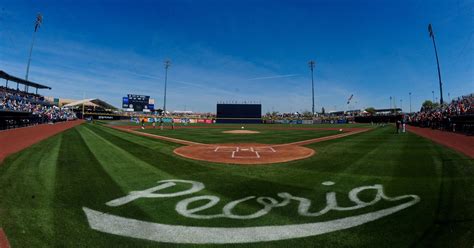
(14, 119)
(241, 113)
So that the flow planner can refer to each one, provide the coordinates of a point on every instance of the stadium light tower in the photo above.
(167, 65)
(311, 64)
(430, 30)
(39, 21)
(391, 103)
(410, 100)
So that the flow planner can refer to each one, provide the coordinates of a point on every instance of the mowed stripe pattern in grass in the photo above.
(43, 188)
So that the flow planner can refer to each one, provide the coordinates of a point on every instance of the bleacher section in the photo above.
(22, 108)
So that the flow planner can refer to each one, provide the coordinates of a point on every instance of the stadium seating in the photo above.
(456, 116)
(19, 108)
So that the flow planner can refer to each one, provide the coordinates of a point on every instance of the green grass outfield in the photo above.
(44, 188)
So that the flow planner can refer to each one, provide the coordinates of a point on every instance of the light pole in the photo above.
(401, 104)
(391, 110)
(83, 98)
(432, 92)
(311, 64)
(410, 100)
(394, 105)
(430, 30)
(39, 21)
(167, 65)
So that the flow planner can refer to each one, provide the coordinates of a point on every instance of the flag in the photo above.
(350, 98)
(39, 21)
(430, 29)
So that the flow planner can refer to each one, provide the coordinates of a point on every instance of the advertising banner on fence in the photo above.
(169, 120)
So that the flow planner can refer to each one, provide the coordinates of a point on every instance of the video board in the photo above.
(138, 103)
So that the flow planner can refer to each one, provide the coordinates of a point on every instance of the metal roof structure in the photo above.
(18, 80)
(94, 102)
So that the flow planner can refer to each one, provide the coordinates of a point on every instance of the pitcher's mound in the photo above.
(245, 153)
(241, 131)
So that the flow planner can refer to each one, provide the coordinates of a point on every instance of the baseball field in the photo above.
(116, 185)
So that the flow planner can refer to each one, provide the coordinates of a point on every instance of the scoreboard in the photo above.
(138, 103)
(239, 113)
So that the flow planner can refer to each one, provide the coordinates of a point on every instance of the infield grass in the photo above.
(234, 126)
(43, 189)
(217, 135)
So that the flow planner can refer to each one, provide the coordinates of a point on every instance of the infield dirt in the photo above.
(241, 132)
(246, 153)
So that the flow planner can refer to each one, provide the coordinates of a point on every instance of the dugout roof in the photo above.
(388, 110)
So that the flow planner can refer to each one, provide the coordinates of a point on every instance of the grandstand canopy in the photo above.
(93, 102)
(388, 110)
(18, 80)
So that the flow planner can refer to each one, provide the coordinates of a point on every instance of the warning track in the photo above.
(15, 140)
(458, 142)
(3, 240)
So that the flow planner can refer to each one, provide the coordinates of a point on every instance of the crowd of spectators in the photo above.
(307, 118)
(447, 116)
(203, 115)
(18, 101)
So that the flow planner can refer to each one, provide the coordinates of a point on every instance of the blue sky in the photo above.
(243, 50)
